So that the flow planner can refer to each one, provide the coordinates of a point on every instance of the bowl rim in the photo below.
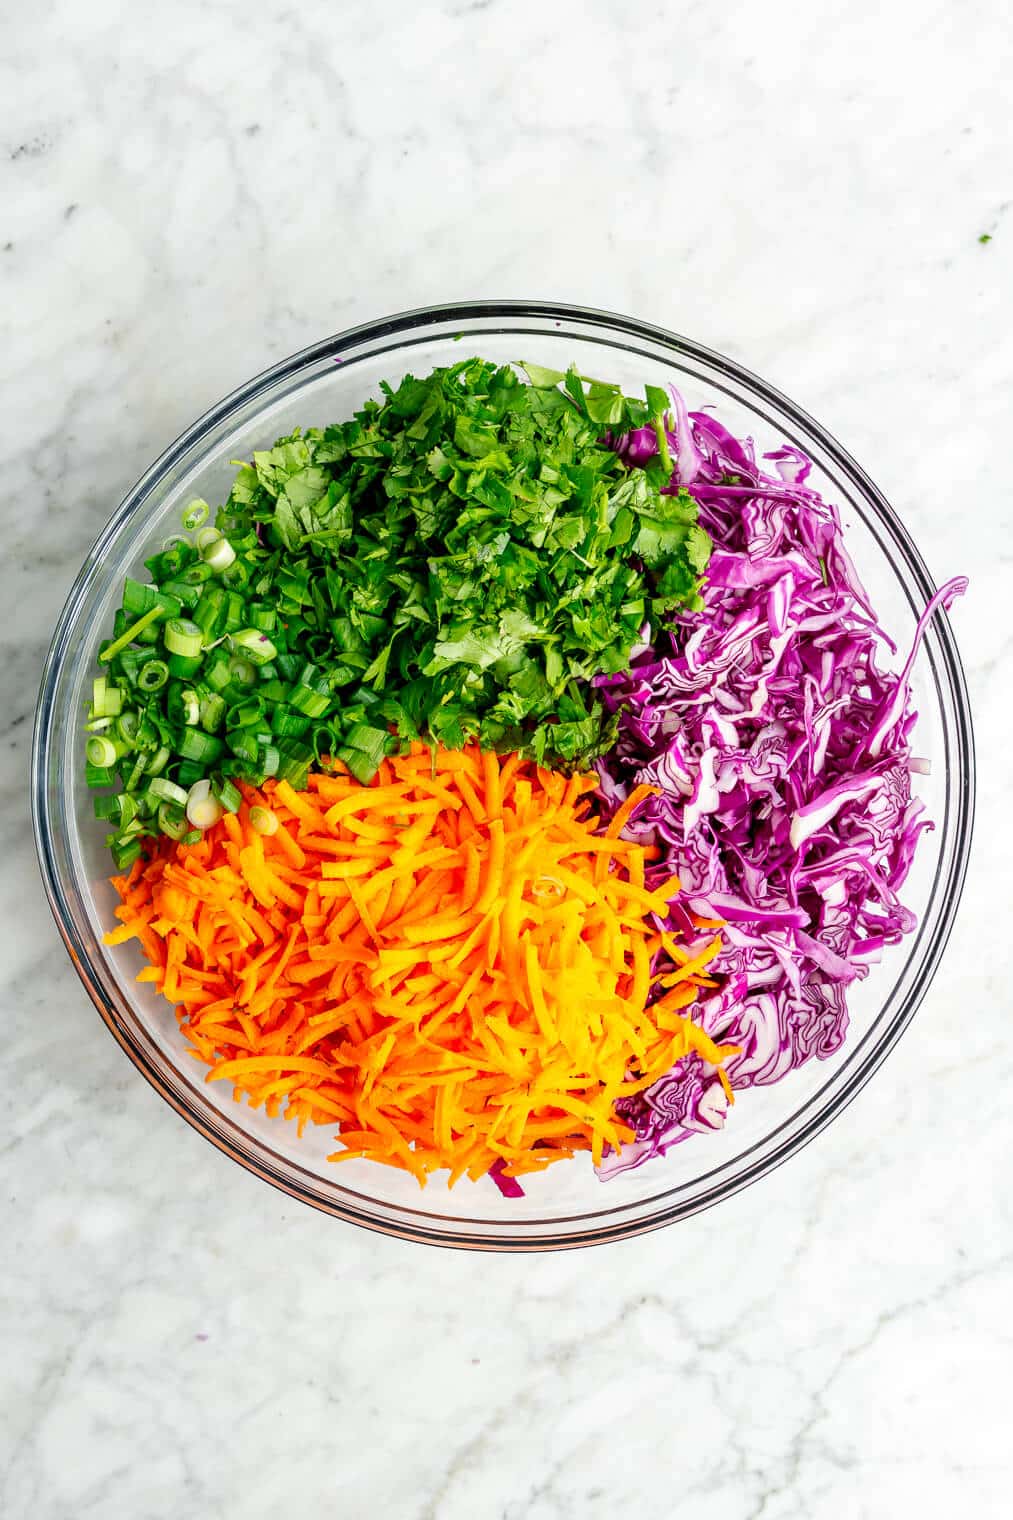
(392, 326)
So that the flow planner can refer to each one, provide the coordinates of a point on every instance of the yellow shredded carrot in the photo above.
(450, 964)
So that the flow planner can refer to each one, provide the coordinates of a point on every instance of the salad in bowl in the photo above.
(506, 775)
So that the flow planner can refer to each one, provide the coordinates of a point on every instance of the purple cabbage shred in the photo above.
(780, 745)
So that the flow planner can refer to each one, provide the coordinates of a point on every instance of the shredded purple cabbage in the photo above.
(508, 1186)
(782, 752)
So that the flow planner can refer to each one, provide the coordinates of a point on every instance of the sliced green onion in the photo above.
(158, 762)
(183, 637)
(269, 759)
(100, 751)
(141, 596)
(219, 555)
(196, 514)
(126, 806)
(186, 593)
(195, 744)
(150, 635)
(190, 703)
(126, 726)
(235, 576)
(138, 597)
(245, 714)
(289, 666)
(98, 725)
(206, 538)
(242, 743)
(209, 613)
(360, 765)
(202, 808)
(167, 791)
(133, 661)
(326, 742)
(107, 808)
(242, 672)
(112, 650)
(136, 772)
(183, 666)
(189, 771)
(264, 618)
(198, 574)
(124, 855)
(286, 724)
(235, 611)
(295, 762)
(194, 836)
(174, 560)
(212, 710)
(152, 676)
(98, 775)
(177, 541)
(229, 795)
(217, 674)
(162, 567)
(363, 750)
(310, 694)
(172, 820)
(255, 645)
(263, 821)
(107, 700)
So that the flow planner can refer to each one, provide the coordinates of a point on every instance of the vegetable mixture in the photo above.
(506, 772)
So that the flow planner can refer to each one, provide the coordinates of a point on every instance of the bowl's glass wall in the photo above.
(567, 1205)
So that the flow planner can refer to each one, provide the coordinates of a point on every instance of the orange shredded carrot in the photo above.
(450, 965)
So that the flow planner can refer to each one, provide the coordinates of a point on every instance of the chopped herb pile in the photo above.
(455, 563)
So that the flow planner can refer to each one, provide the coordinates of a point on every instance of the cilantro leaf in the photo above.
(463, 556)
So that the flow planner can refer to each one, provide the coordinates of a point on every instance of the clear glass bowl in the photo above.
(567, 1205)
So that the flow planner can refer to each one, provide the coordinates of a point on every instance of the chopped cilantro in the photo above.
(462, 557)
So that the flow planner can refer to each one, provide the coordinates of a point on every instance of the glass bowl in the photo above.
(567, 1205)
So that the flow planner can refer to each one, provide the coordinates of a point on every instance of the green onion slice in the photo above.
(183, 637)
(113, 649)
(263, 821)
(196, 514)
(219, 555)
(255, 645)
(202, 808)
(100, 751)
(167, 791)
(152, 676)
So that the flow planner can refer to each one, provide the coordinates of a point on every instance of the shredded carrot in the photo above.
(450, 964)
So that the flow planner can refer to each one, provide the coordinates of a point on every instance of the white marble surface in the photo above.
(187, 193)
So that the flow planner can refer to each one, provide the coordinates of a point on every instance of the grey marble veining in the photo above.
(186, 195)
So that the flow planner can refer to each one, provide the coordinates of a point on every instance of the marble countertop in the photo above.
(186, 195)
